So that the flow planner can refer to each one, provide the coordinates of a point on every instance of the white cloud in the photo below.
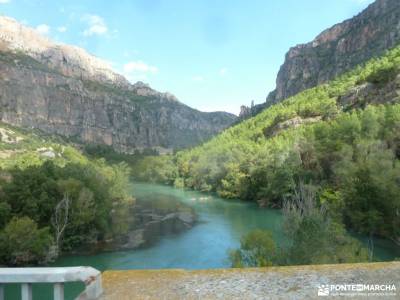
(139, 67)
(43, 28)
(4, 1)
(223, 71)
(96, 24)
(198, 78)
(62, 29)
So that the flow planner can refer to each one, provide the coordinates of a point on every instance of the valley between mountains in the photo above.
(92, 164)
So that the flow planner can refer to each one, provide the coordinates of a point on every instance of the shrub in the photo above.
(23, 243)
(257, 249)
(383, 75)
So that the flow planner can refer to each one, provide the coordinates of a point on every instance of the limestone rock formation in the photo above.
(68, 60)
(339, 49)
(371, 93)
(63, 90)
(291, 123)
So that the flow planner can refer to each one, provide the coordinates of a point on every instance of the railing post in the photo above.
(26, 291)
(1, 291)
(59, 291)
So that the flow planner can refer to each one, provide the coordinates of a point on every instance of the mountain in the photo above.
(335, 51)
(255, 143)
(63, 90)
(339, 49)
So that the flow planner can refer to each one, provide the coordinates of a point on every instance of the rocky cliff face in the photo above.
(339, 49)
(63, 90)
(68, 60)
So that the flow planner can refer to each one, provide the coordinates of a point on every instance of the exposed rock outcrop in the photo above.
(9, 137)
(68, 60)
(370, 93)
(339, 49)
(150, 225)
(63, 90)
(291, 123)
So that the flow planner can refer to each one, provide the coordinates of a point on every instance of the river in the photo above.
(220, 225)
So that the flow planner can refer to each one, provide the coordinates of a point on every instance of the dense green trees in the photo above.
(98, 205)
(315, 237)
(50, 205)
(370, 189)
(355, 156)
(350, 154)
(21, 242)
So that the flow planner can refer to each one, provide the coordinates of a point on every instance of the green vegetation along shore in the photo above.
(341, 138)
(54, 199)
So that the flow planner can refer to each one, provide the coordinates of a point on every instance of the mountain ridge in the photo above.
(334, 51)
(61, 90)
(70, 60)
(339, 49)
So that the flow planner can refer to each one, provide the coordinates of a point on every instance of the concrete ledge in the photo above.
(52, 275)
(58, 276)
(294, 282)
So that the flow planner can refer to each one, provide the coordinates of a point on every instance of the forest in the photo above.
(56, 200)
(347, 153)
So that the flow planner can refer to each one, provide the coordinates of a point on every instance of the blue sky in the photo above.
(211, 54)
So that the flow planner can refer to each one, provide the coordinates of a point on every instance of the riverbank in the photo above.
(218, 228)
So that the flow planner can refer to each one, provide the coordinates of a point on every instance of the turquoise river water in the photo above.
(220, 225)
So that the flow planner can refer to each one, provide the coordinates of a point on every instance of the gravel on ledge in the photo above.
(293, 282)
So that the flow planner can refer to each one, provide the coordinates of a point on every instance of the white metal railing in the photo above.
(58, 276)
